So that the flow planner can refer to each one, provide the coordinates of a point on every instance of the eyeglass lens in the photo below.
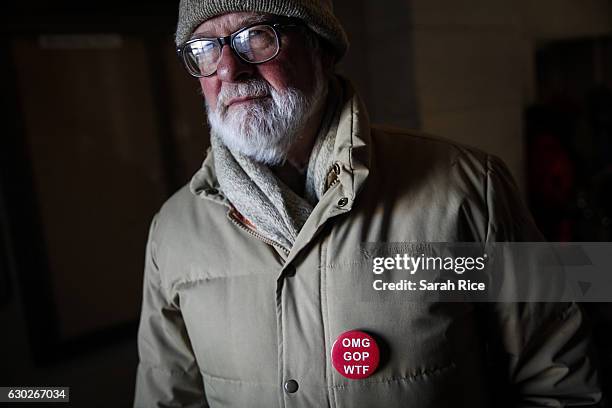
(255, 44)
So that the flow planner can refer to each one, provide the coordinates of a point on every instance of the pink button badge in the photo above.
(355, 355)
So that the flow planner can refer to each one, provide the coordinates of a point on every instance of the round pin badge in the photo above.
(355, 355)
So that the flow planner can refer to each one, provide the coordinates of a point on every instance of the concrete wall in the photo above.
(474, 64)
(470, 65)
(560, 19)
(380, 61)
(465, 69)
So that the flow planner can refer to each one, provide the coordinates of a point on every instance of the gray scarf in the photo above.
(262, 198)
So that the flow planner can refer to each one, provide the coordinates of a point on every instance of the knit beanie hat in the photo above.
(317, 14)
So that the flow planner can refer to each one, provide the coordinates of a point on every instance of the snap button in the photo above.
(290, 271)
(342, 202)
(291, 386)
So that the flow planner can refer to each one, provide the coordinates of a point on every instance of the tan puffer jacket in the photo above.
(228, 318)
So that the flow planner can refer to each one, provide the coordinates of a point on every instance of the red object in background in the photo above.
(552, 176)
(552, 171)
(355, 355)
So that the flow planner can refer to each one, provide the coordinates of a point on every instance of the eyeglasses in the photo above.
(254, 44)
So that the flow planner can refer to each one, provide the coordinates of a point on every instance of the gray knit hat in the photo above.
(317, 14)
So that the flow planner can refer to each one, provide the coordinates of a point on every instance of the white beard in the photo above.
(264, 129)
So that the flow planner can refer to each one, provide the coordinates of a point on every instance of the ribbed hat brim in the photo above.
(317, 14)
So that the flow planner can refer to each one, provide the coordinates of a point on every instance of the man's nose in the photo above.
(230, 68)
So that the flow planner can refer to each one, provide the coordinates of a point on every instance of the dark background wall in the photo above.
(101, 125)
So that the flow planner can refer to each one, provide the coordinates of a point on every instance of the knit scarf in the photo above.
(261, 197)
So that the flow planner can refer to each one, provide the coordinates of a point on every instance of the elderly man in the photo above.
(250, 292)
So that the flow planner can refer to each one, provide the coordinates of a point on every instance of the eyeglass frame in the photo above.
(229, 40)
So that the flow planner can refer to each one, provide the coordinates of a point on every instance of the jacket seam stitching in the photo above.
(351, 149)
(229, 380)
(429, 137)
(325, 312)
(189, 283)
(408, 378)
(280, 337)
(173, 373)
(486, 197)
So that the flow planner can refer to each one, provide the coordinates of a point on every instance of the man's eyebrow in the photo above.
(259, 18)
(256, 19)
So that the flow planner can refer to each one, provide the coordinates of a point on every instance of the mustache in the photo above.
(254, 88)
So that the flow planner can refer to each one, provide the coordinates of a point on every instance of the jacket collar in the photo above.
(204, 183)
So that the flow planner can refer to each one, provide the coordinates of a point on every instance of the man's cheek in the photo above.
(209, 91)
(211, 101)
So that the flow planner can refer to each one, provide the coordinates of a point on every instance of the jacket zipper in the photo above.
(335, 180)
(257, 234)
(333, 183)
(335, 174)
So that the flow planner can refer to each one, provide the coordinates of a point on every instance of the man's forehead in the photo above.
(227, 24)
